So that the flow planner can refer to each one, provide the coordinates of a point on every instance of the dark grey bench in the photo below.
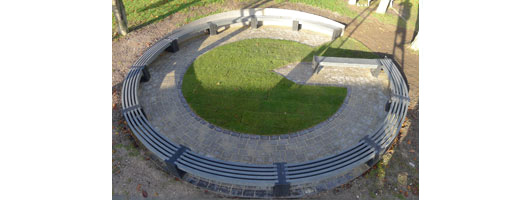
(281, 178)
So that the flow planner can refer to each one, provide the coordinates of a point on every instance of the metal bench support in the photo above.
(282, 188)
(296, 25)
(126, 110)
(173, 47)
(212, 29)
(170, 163)
(315, 65)
(376, 71)
(387, 105)
(145, 75)
(396, 96)
(254, 22)
(336, 34)
(377, 150)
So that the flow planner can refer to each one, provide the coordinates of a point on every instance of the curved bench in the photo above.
(371, 147)
(266, 16)
(275, 179)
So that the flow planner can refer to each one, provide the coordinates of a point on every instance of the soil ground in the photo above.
(395, 177)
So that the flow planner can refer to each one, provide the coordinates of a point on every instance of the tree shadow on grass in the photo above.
(400, 38)
(155, 5)
(227, 120)
(416, 25)
(280, 109)
(325, 51)
(254, 4)
(331, 49)
(172, 11)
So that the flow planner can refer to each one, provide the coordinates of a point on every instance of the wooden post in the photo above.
(121, 18)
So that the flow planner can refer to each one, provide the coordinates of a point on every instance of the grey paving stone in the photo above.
(169, 113)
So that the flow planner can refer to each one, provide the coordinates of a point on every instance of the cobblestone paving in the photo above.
(359, 115)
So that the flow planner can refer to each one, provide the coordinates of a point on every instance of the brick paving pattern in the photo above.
(167, 110)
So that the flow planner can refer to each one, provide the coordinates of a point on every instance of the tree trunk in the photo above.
(121, 18)
(383, 5)
(415, 43)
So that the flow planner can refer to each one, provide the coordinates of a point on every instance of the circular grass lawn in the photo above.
(233, 86)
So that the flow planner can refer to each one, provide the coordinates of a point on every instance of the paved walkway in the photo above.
(164, 105)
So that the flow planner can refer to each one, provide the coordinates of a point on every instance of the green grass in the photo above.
(339, 6)
(410, 13)
(144, 12)
(400, 196)
(233, 86)
(131, 149)
(188, 20)
(342, 7)
(342, 47)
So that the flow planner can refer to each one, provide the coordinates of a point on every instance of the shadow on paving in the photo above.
(204, 106)
(325, 50)
(395, 176)
(329, 51)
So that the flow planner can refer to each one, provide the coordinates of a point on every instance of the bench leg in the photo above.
(174, 170)
(296, 25)
(145, 75)
(143, 112)
(376, 71)
(174, 47)
(280, 190)
(316, 69)
(212, 29)
(254, 22)
(372, 162)
(170, 163)
(282, 187)
(336, 34)
(315, 64)
(387, 105)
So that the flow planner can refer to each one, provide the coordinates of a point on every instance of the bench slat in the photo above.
(152, 53)
(264, 175)
(143, 140)
(327, 164)
(264, 168)
(241, 171)
(224, 178)
(335, 170)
